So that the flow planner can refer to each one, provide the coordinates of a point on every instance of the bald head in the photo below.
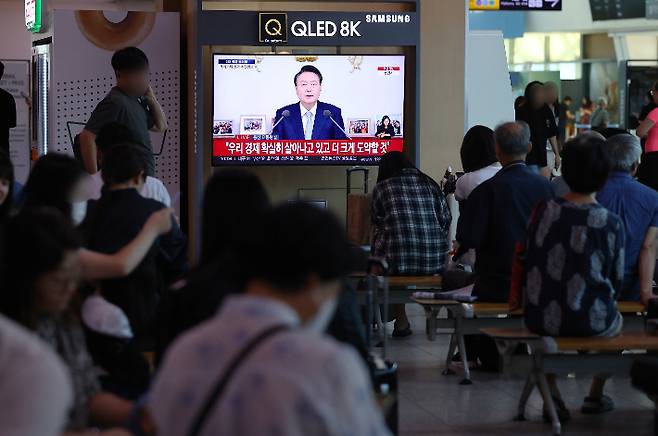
(512, 141)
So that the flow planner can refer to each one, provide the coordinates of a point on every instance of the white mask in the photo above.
(323, 317)
(78, 211)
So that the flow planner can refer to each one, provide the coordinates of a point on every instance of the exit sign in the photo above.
(33, 15)
(515, 5)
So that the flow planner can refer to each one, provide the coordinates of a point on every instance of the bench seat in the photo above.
(558, 355)
(624, 341)
(464, 319)
(396, 282)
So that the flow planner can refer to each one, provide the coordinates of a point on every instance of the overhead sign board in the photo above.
(515, 5)
(308, 28)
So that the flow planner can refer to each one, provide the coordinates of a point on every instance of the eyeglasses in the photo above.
(307, 84)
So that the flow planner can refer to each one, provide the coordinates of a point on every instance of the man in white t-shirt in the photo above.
(35, 389)
(115, 133)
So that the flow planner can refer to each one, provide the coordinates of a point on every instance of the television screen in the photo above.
(617, 9)
(306, 109)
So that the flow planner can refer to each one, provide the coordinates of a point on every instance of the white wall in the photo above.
(489, 99)
(576, 16)
(15, 40)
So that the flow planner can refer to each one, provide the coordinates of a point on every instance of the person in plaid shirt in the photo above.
(411, 220)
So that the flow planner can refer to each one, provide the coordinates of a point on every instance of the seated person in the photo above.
(479, 161)
(42, 275)
(574, 264)
(277, 372)
(7, 184)
(493, 221)
(637, 206)
(115, 133)
(497, 212)
(411, 220)
(478, 155)
(36, 384)
(110, 341)
(233, 200)
(114, 220)
(385, 130)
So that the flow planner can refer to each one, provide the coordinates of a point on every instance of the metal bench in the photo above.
(469, 319)
(401, 287)
(564, 355)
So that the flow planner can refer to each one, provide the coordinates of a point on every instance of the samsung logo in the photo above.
(388, 18)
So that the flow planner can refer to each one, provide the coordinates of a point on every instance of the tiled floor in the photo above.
(433, 404)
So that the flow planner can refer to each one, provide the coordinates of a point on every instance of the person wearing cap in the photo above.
(263, 355)
(310, 118)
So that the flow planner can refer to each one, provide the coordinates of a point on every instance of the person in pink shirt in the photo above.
(648, 130)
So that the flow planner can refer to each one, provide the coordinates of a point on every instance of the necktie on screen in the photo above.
(308, 128)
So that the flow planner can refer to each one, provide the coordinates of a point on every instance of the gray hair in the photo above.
(602, 100)
(513, 138)
(625, 151)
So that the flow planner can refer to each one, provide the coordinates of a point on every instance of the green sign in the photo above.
(33, 15)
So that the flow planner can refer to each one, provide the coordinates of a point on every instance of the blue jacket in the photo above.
(323, 128)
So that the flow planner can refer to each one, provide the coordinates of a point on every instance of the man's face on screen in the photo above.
(308, 88)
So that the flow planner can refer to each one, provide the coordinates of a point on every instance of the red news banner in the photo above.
(362, 147)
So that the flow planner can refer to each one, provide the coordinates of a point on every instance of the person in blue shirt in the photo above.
(637, 206)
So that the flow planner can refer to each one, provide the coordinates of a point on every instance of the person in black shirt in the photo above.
(132, 102)
(543, 129)
(385, 130)
(115, 220)
(7, 114)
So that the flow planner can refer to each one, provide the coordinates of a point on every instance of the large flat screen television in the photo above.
(277, 109)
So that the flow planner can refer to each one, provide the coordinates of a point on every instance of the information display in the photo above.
(617, 9)
(305, 110)
(515, 5)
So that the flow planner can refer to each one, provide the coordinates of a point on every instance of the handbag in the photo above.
(517, 282)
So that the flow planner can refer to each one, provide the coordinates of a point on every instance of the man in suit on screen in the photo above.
(310, 118)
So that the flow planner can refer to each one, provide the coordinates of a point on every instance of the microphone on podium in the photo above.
(285, 114)
(327, 113)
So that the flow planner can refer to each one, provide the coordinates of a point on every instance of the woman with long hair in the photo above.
(478, 155)
(385, 130)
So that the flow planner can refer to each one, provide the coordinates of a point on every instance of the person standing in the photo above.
(7, 114)
(552, 94)
(131, 102)
(648, 130)
(566, 127)
(543, 129)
